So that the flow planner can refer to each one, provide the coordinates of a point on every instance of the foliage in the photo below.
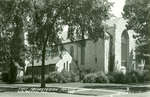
(90, 78)
(99, 77)
(129, 77)
(4, 76)
(44, 21)
(12, 15)
(102, 78)
(146, 76)
(135, 77)
(116, 77)
(137, 13)
(12, 73)
(48, 18)
(61, 77)
(54, 77)
(28, 79)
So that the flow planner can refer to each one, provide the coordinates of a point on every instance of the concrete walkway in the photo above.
(75, 85)
(77, 90)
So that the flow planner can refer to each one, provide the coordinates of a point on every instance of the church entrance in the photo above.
(124, 49)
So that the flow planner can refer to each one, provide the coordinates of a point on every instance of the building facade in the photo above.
(113, 53)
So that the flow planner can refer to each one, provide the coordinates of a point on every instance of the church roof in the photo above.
(49, 61)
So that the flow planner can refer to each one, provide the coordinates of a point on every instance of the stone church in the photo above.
(117, 47)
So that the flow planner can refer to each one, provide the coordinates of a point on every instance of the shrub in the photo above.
(28, 79)
(12, 74)
(5, 76)
(52, 77)
(147, 76)
(61, 77)
(135, 77)
(65, 77)
(74, 77)
(101, 78)
(111, 78)
(116, 77)
(131, 77)
(140, 76)
(90, 78)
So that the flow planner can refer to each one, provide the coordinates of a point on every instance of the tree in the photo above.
(48, 17)
(137, 13)
(12, 14)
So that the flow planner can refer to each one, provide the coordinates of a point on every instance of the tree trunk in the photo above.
(43, 62)
(33, 68)
(82, 49)
(82, 52)
(43, 67)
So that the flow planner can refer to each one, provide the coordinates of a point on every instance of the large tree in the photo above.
(48, 17)
(137, 13)
(12, 14)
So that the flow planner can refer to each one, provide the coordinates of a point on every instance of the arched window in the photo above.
(72, 51)
(124, 48)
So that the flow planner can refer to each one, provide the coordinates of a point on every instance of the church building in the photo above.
(116, 52)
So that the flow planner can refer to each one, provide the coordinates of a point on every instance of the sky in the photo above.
(117, 8)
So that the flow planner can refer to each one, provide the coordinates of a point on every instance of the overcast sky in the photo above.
(117, 7)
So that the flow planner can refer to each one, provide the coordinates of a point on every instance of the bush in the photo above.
(5, 76)
(116, 77)
(140, 76)
(99, 77)
(111, 78)
(90, 78)
(61, 77)
(147, 76)
(28, 79)
(102, 78)
(10, 75)
(131, 77)
(74, 77)
(52, 77)
(135, 77)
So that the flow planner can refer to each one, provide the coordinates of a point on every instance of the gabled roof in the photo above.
(49, 61)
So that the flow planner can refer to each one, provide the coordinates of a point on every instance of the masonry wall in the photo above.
(120, 26)
(94, 53)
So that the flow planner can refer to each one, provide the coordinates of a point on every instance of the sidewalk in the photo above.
(75, 85)
(79, 89)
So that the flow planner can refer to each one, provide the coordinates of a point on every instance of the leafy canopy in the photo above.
(137, 13)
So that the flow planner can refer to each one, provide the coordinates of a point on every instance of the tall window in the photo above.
(124, 49)
(72, 51)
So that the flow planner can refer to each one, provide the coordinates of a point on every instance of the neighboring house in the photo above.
(51, 64)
